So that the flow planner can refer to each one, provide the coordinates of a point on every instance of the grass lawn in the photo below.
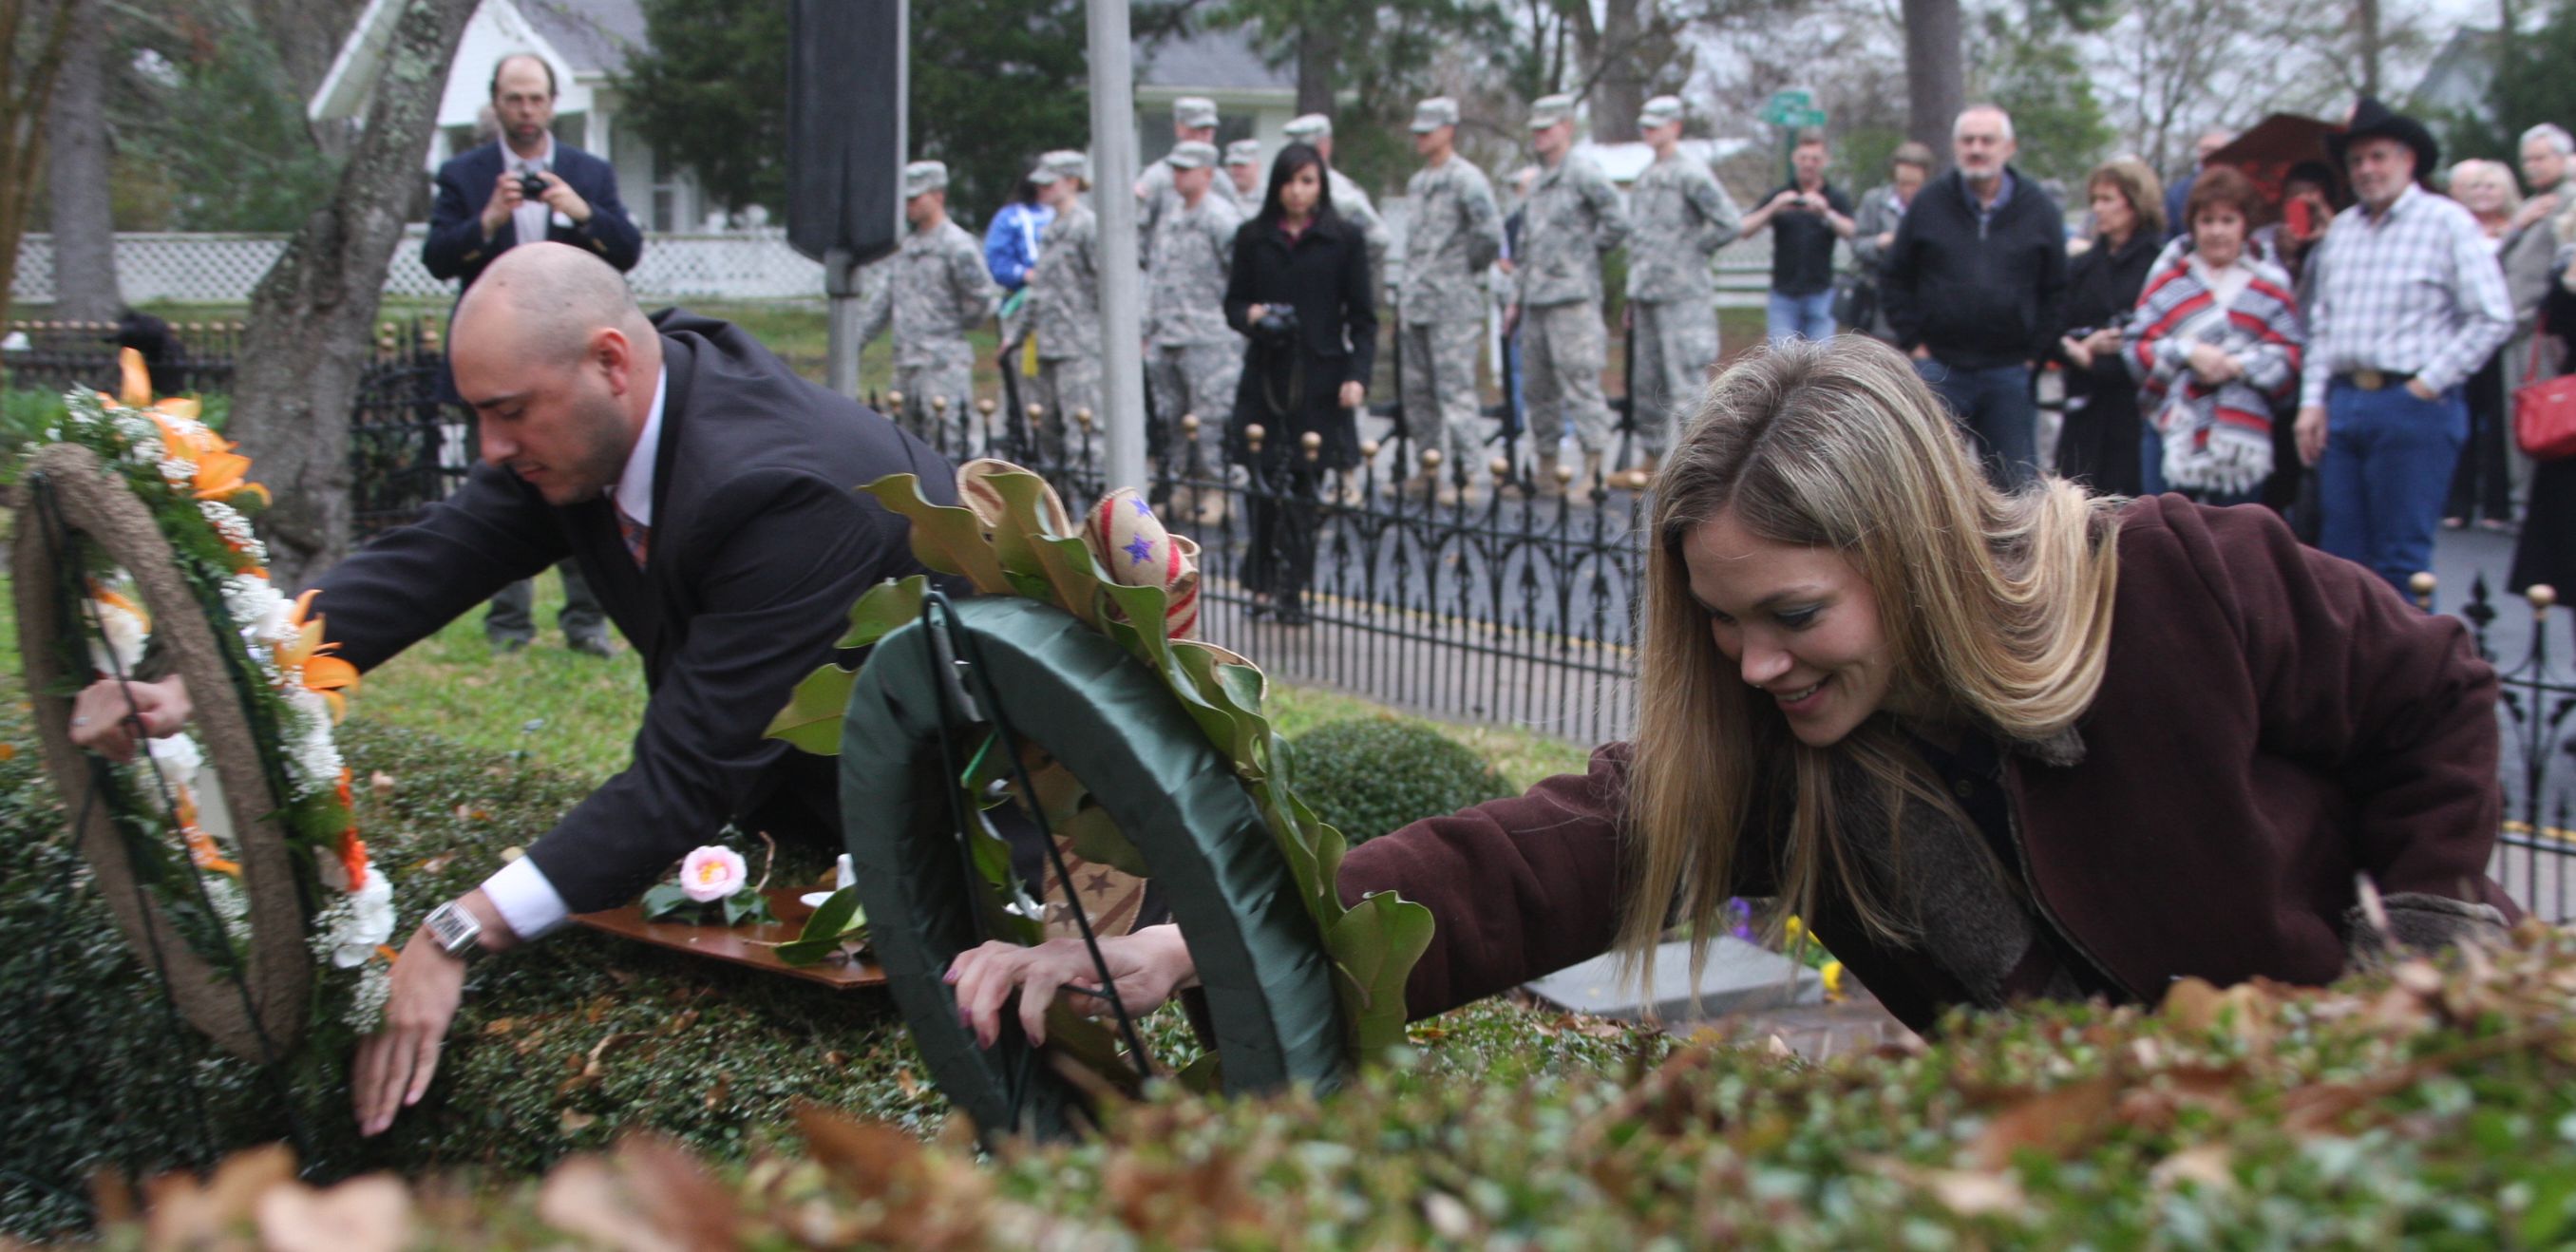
(578, 714)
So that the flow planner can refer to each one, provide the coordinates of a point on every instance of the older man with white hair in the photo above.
(1975, 281)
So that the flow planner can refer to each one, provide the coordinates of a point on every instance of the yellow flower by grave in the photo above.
(1833, 976)
(134, 388)
(308, 660)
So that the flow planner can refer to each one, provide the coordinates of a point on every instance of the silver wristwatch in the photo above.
(456, 931)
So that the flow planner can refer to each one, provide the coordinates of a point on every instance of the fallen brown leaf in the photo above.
(370, 1214)
(182, 1214)
(2055, 1122)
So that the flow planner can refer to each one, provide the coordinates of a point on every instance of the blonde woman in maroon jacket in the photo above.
(1992, 747)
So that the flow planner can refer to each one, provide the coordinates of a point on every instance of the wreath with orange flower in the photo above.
(230, 852)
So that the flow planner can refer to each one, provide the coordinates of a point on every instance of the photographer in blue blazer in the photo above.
(525, 187)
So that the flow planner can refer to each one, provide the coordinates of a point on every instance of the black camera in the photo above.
(1277, 325)
(532, 186)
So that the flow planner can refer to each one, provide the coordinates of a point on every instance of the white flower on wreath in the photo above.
(368, 922)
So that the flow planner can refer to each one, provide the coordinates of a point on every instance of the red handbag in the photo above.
(2544, 414)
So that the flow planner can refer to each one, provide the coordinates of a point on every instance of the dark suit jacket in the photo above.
(759, 547)
(456, 247)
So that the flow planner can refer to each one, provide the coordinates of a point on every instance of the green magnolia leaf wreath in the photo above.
(1013, 538)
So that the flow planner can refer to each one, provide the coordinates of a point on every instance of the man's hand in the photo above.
(563, 199)
(2415, 387)
(2311, 429)
(1789, 198)
(394, 1065)
(505, 201)
(112, 715)
(1353, 393)
(1886, 239)
(1922, 352)
(1511, 320)
(2079, 351)
(2534, 209)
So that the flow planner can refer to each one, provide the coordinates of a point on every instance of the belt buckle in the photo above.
(2369, 380)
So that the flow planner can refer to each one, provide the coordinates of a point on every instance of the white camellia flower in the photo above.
(711, 873)
(368, 920)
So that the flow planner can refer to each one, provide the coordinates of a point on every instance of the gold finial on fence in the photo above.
(1313, 443)
(2422, 585)
(1252, 436)
(2542, 596)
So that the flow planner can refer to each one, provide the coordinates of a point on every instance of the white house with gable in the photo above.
(585, 41)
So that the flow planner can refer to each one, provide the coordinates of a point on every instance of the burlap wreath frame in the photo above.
(260, 1010)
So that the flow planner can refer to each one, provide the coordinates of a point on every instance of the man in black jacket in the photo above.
(1974, 284)
(709, 494)
(484, 207)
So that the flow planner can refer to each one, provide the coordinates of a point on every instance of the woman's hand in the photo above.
(111, 715)
(1353, 393)
(2078, 351)
(1254, 314)
(1148, 967)
(2213, 366)
(2104, 342)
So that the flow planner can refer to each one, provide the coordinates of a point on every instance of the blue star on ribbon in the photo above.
(1140, 550)
(1141, 509)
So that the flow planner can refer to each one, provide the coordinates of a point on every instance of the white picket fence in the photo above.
(222, 269)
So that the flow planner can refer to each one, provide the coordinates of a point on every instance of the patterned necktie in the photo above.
(638, 537)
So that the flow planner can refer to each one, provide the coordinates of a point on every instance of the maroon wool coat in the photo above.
(2273, 720)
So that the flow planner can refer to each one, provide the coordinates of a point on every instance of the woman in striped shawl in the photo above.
(2215, 343)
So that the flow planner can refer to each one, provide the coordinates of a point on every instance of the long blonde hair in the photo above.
(1997, 609)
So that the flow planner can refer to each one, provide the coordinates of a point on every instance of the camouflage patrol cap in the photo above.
(1660, 111)
(1549, 110)
(1309, 128)
(1193, 155)
(1194, 111)
(922, 177)
(1243, 152)
(1060, 164)
(1434, 113)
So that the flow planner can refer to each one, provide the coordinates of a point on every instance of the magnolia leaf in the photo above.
(944, 537)
(1143, 609)
(811, 722)
(886, 606)
(1031, 586)
(1098, 840)
(1022, 522)
(1375, 946)
(1060, 794)
(837, 922)
(747, 907)
(661, 900)
(1242, 726)
(1204, 1076)
(1075, 574)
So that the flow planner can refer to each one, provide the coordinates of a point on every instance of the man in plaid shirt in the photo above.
(2408, 303)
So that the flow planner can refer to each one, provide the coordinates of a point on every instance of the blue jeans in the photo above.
(1802, 317)
(2387, 467)
(1994, 406)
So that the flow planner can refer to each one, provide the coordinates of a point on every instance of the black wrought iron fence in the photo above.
(406, 448)
(2536, 855)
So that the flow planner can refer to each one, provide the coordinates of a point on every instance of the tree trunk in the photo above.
(1319, 50)
(1936, 83)
(312, 317)
(1619, 91)
(76, 175)
(2365, 16)
(26, 88)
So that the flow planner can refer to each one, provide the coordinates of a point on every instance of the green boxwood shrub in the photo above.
(1371, 775)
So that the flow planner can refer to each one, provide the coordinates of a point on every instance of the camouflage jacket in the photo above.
(1355, 207)
(1185, 275)
(1064, 288)
(1154, 196)
(1682, 218)
(936, 290)
(1452, 233)
(1571, 219)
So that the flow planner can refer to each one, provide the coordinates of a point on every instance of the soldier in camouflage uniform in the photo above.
(936, 290)
(1682, 218)
(1571, 220)
(1316, 131)
(1064, 301)
(1193, 121)
(1193, 357)
(1243, 168)
(1454, 232)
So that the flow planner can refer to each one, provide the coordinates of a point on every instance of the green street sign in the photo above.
(1791, 99)
(1793, 109)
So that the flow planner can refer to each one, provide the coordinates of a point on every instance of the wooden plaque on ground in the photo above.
(734, 944)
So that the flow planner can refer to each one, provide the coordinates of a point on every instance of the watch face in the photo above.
(453, 927)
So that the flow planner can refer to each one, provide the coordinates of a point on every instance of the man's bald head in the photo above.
(560, 366)
(541, 304)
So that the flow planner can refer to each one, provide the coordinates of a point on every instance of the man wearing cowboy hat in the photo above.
(2408, 303)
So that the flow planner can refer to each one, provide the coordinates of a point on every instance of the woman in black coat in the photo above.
(1299, 293)
(2102, 441)
(2545, 551)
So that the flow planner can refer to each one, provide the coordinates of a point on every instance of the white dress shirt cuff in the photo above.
(520, 893)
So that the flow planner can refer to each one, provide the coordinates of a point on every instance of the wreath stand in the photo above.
(1027, 673)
